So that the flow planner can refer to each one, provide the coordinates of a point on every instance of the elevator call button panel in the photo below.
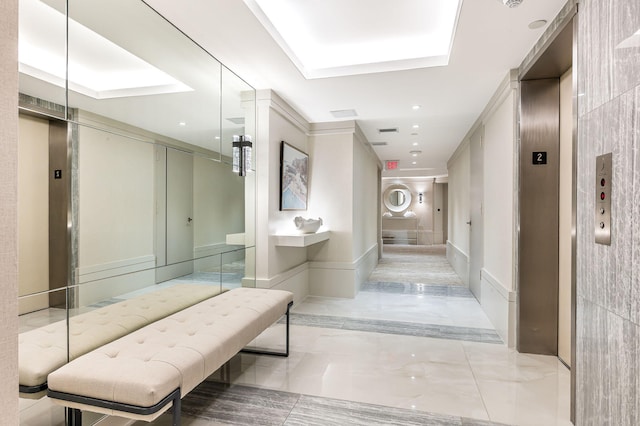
(603, 199)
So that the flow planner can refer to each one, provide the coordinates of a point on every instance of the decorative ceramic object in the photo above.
(307, 226)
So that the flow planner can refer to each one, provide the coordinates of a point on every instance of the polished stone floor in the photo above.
(381, 368)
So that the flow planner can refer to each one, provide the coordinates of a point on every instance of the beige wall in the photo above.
(33, 214)
(8, 211)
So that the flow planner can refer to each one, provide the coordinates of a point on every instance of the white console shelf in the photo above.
(301, 240)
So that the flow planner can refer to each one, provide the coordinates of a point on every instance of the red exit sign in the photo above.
(392, 164)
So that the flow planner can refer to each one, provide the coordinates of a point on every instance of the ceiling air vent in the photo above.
(378, 143)
(236, 120)
(344, 113)
(389, 130)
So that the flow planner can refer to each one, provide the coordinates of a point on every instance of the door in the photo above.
(179, 206)
(33, 213)
(476, 257)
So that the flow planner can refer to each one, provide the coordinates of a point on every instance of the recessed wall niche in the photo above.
(409, 217)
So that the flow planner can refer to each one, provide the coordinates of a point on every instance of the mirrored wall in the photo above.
(128, 198)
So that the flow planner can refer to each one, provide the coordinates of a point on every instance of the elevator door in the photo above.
(538, 266)
(33, 213)
(43, 195)
(179, 206)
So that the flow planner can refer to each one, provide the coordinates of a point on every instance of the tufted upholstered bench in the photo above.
(143, 374)
(44, 349)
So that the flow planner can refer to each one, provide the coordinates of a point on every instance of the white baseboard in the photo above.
(459, 260)
(329, 279)
(499, 303)
(119, 267)
(342, 279)
(295, 280)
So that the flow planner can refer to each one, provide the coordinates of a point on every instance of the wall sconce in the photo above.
(420, 197)
(241, 154)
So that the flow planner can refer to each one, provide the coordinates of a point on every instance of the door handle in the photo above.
(189, 220)
(469, 223)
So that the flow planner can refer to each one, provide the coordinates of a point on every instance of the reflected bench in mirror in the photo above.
(143, 374)
(43, 350)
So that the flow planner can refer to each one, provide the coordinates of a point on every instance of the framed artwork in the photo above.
(294, 166)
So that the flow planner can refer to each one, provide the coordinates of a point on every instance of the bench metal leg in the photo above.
(177, 409)
(74, 417)
(273, 353)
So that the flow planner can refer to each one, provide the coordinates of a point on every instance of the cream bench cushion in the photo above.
(44, 349)
(178, 352)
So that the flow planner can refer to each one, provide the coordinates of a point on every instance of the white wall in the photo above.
(218, 197)
(277, 267)
(459, 211)
(343, 187)
(8, 211)
(497, 286)
(331, 193)
(499, 191)
(365, 196)
(498, 295)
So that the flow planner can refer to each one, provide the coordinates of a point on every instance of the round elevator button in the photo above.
(601, 225)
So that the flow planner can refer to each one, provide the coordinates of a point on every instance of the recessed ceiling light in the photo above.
(182, 123)
(416, 126)
(118, 73)
(537, 24)
(415, 144)
(415, 153)
(414, 163)
(389, 37)
(217, 138)
(416, 107)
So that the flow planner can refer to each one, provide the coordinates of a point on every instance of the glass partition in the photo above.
(127, 165)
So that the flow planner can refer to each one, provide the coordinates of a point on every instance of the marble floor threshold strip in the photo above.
(480, 335)
(243, 405)
(416, 289)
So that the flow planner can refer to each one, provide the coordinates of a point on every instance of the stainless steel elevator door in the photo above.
(539, 180)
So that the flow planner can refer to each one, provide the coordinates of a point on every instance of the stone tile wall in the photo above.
(608, 293)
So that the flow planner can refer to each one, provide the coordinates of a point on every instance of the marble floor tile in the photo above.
(398, 327)
(214, 403)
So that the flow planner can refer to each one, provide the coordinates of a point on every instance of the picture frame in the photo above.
(294, 178)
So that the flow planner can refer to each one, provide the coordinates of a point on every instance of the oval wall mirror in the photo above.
(397, 198)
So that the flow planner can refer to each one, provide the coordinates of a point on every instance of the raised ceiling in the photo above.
(490, 39)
